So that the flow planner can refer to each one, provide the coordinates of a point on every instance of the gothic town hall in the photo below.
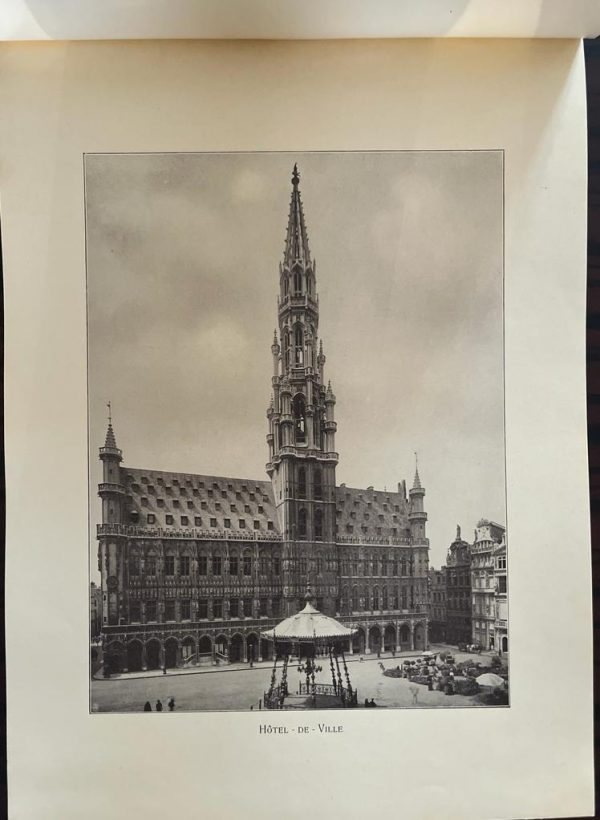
(195, 567)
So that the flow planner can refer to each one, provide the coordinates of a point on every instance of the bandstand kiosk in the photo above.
(314, 639)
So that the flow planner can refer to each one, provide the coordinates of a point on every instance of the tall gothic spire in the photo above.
(296, 240)
(417, 481)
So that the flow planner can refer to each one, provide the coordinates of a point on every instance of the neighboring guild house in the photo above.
(488, 536)
(194, 567)
(501, 600)
(458, 591)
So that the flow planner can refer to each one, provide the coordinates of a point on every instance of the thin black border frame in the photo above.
(295, 152)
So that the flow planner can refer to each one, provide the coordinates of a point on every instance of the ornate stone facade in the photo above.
(488, 536)
(195, 567)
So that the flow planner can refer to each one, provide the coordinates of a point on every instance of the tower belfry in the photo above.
(301, 438)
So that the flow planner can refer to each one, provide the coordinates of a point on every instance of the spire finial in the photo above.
(417, 480)
(295, 176)
(308, 595)
(110, 433)
(458, 532)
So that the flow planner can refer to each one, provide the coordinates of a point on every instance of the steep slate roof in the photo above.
(367, 510)
(207, 497)
(200, 496)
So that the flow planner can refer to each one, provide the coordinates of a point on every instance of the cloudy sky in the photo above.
(182, 265)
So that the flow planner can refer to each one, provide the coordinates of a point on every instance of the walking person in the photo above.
(171, 704)
(159, 706)
(415, 693)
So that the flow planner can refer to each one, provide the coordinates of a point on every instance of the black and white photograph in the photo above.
(297, 493)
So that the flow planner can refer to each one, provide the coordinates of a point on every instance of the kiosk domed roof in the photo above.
(308, 625)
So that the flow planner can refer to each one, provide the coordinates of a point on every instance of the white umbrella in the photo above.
(427, 654)
(490, 679)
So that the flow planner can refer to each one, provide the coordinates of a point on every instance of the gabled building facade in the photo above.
(458, 591)
(194, 567)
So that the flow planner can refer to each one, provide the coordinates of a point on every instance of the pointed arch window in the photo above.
(302, 523)
(298, 344)
(286, 285)
(318, 525)
(384, 598)
(318, 485)
(302, 482)
(355, 599)
(375, 598)
(297, 281)
(299, 412)
(286, 348)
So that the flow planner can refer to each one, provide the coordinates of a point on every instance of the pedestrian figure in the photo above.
(372, 703)
(147, 706)
(367, 704)
(164, 670)
(171, 704)
(415, 693)
(159, 706)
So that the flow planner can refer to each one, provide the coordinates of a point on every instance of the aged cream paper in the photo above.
(62, 100)
(287, 19)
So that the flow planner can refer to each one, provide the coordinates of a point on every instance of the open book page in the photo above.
(163, 205)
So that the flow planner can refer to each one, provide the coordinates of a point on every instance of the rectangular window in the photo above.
(276, 566)
(242, 524)
(269, 525)
(260, 509)
(234, 608)
(502, 583)
(184, 565)
(217, 565)
(197, 521)
(169, 610)
(247, 603)
(247, 561)
(168, 519)
(202, 565)
(186, 609)
(264, 606)
(134, 611)
(150, 565)
(190, 505)
(247, 508)
(151, 518)
(213, 522)
(257, 525)
(175, 502)
(184, 521)
(217, 609)
(160, 502)
(169, 565)
(233, 565)
(203, 505)
(227, 523)
(151, 610)
(202, 608)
